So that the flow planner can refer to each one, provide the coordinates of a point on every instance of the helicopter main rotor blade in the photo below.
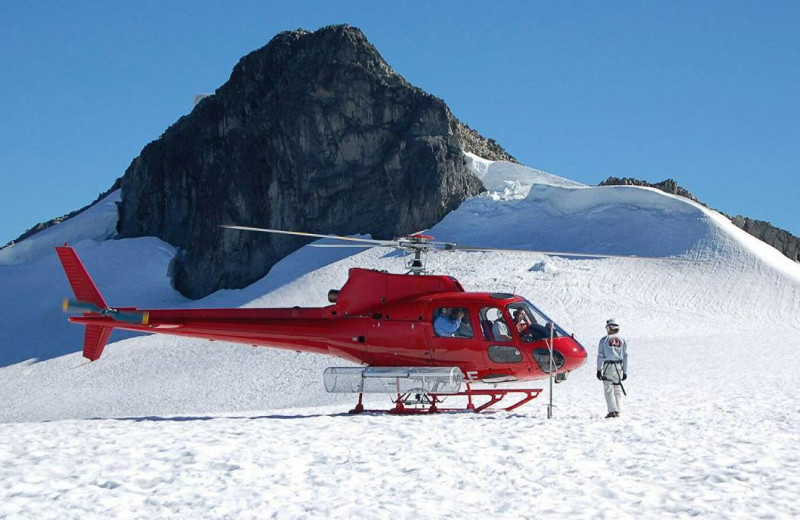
(314, 235)
(357, 246)
(419, 242)
(456, 247)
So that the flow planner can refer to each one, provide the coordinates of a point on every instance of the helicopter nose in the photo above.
(575, 354)
(568, 355)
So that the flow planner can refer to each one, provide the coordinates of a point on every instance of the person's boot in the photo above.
(610, 415)
(616, 414)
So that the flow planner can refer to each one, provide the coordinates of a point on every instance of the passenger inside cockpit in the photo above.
(493, 325)
(453, 322)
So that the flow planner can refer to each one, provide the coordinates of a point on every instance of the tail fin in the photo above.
(82, 285)
(85, 291)
(95, 341)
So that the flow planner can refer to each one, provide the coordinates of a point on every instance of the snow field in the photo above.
(709, 427)
(693, 441)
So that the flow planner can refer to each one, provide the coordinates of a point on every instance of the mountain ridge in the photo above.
(780, 239)
(198, 277)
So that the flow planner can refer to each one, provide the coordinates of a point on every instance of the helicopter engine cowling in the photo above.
(366, 289)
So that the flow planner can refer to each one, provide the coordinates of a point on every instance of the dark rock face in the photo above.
(667, 186)
(313, 132)
(482, 147)
(781, 240)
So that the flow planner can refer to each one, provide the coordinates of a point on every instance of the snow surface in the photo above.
(174, 427)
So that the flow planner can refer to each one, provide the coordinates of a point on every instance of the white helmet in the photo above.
(611, 322)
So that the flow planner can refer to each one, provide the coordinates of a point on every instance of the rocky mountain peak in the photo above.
(313, 132)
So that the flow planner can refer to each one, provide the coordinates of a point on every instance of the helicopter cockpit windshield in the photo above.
(531, 323)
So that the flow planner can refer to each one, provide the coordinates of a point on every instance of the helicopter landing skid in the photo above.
(421, 402)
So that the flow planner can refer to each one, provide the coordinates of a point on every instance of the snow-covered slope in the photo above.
(709, 426)
(732, 283)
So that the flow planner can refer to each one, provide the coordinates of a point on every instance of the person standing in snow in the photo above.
(612, 366)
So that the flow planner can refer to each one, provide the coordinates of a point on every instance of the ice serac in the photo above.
(313, 132)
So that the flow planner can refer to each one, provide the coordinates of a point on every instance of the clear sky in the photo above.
(707, 93)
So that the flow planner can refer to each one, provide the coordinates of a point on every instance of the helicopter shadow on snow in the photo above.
(490, 415)
(190, 418)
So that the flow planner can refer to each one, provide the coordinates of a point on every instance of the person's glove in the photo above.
(599, 375)
(624, 376)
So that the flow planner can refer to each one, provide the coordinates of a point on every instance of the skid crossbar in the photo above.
(429, 402)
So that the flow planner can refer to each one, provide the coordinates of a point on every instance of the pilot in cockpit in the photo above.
(521, 320)
(529, 329)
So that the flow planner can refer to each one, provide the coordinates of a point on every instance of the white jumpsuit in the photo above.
(612, 362)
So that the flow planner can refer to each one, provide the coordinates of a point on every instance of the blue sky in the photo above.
(707, 93)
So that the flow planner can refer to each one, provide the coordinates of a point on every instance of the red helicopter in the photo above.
(416, 335)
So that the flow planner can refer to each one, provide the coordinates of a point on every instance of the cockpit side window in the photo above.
(530, 323)
(452, 322)
(493, 325)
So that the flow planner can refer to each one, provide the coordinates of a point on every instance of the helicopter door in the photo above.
(453, 338)
(501, 344)
(494, 327)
